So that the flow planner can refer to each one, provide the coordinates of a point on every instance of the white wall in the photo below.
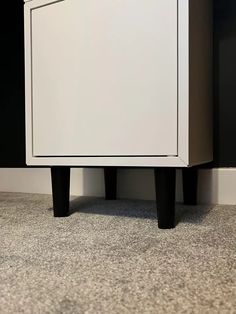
(216, 186)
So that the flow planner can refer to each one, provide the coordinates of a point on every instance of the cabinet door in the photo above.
(104, 78)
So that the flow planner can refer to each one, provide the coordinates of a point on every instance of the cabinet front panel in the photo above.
(104, 78)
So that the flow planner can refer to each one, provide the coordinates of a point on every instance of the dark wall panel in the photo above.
(12, 126)
(225, 83)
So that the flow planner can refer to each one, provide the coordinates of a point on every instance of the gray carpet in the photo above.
(110, 257)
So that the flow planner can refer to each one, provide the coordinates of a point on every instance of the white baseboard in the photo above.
(217, 186)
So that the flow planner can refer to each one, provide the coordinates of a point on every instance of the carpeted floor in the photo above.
(110, 257)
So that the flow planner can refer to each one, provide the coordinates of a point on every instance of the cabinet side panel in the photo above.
(28, 93)
(200, 80)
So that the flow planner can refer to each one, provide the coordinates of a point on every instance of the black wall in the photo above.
(12, 134)
(225, 83)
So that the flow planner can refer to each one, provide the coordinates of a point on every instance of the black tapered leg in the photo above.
(190, 185)
(60, 190)
(110, 177)
(165, 196)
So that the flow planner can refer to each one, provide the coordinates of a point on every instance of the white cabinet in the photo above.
(118, 83)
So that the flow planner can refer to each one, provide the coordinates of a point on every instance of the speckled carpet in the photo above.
(110, 257)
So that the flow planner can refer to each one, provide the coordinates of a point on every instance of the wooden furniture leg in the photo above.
(110, 177)
(60, 190)
(190, 185)
(165, 196)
